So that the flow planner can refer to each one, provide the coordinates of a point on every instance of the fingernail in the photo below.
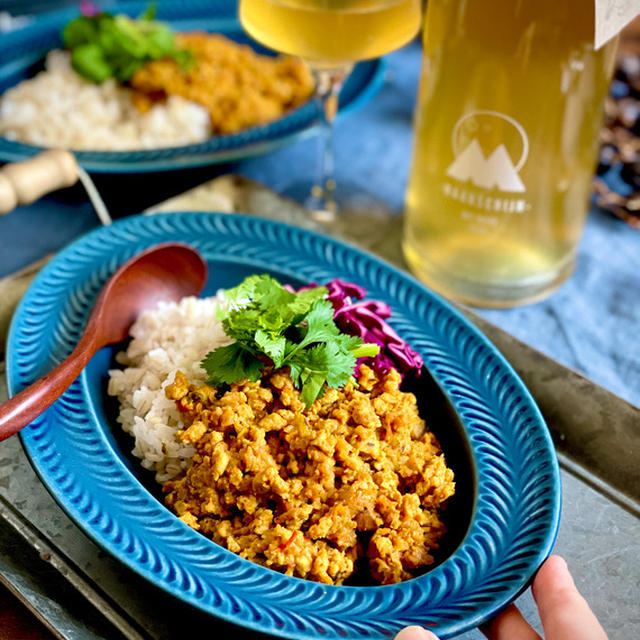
(415, 633)
(558, 562)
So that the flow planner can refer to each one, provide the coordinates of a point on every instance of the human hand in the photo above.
(564, 613)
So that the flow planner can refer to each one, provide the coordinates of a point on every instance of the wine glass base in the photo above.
(346, 211)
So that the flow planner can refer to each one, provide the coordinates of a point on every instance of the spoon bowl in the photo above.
(166, 272)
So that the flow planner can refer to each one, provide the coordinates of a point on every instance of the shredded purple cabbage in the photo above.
(367, 320)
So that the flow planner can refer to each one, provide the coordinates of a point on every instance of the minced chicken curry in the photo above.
(239, 87)
(311, 491)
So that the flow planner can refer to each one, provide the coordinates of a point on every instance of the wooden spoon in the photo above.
(166, 272)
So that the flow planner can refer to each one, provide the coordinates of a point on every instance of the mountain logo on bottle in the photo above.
(495, 172)
(498, 170)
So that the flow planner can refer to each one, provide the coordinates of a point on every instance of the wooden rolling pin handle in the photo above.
(24, 182)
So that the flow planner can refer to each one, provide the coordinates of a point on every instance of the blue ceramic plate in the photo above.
(22, 53)
(502, 522)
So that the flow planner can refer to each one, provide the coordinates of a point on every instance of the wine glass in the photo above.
(330, 36)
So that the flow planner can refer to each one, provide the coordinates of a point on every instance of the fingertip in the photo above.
(415, 633)
(508, 623)
(564, 613)
(557, 562)
(553, 575)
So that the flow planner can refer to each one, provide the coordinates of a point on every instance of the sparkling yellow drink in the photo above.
(506, 132)
(332, 33)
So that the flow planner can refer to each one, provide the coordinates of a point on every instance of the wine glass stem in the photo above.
(328, 85)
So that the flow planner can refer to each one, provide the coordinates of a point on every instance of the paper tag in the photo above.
(612, 16)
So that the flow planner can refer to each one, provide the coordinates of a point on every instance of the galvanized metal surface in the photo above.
(51, 586)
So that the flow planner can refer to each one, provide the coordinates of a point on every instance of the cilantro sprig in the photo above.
(115, 46)
(275, 327)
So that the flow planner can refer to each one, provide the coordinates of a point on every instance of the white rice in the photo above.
(58, 108)
(176, 336)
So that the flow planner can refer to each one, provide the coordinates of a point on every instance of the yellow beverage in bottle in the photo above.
(332, 33)
(506, 136)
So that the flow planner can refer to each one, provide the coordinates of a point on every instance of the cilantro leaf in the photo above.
(312, 388)
(309, 371)
(231, 363)
(149, 13)
(357, 347)
(320, 324)
(303, 300)
(327, 361)
(247, 288)
(271, 345)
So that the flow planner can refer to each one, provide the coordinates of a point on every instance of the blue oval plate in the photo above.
(512, 488)
(22, 52)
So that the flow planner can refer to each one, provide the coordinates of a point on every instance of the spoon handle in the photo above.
(26, 406)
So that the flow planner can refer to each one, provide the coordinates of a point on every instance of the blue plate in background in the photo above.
(22, 52)
(502, 522)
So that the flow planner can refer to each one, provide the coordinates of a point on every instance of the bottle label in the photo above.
(611, 17)
(497, 171)
(484, 174)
